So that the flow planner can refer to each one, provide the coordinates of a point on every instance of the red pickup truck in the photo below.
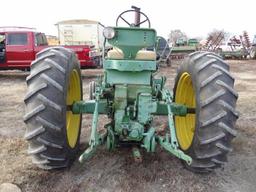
(18, 48)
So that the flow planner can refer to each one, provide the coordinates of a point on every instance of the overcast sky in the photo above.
(195, 17)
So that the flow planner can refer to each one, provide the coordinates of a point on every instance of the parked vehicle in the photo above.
(81, 32)
(232, 48)
(19, 46)
(183, 47)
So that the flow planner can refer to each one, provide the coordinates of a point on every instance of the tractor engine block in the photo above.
(133, 106)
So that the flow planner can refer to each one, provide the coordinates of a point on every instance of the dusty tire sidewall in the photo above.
(187, 67)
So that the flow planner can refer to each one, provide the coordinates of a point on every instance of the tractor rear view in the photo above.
(183, 47)
(201, 111)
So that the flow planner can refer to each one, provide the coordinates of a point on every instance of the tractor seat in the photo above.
(146, 55)
(117, 53)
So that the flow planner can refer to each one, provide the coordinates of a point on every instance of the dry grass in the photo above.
(117, 171)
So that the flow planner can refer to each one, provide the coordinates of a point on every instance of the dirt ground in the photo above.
(117, 171)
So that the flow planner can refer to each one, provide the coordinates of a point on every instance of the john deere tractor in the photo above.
(200, 111)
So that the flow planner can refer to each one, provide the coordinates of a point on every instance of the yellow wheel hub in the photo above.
(74, 93)
(185, 126)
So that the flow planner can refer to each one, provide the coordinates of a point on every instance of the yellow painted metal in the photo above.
(185, 126)
(74, 93)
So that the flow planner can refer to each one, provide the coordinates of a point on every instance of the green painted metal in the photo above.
(103, 106)
(193, 42)
(136, 154)
(181, 42)
(185, 46)
(95, 138)
(146, 107)
(111, 143)
(236, 53)
(89, 106)
(87, 154)
(131, 40)
(149, 140)
(134, 78)
(176, 109)
(119, 71)
(124, 125)
(121, 94)
(130, 94)
(178, 153)
(183, 49)
(135, 131)
(130, 65)
(134, 90)
(167, 97)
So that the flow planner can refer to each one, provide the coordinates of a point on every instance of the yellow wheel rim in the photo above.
(73, 121)
(185, 126)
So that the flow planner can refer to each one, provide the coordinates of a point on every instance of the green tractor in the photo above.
(183, 47)
(200, 110)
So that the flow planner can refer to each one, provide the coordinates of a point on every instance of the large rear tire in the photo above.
(52, 131)
(203, 82)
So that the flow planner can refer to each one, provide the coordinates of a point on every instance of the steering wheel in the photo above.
(120, 17)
